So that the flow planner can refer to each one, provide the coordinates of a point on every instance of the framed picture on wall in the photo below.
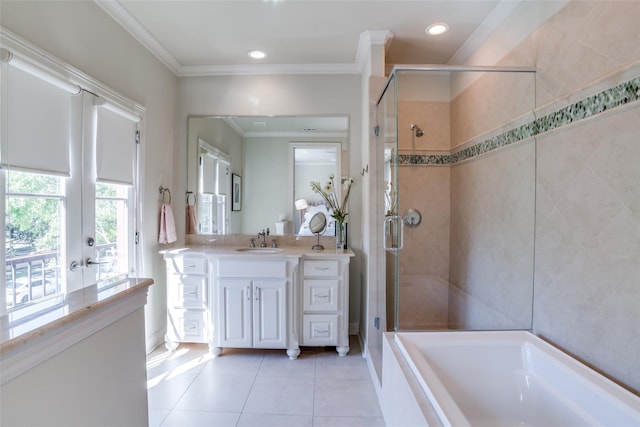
(236, 192)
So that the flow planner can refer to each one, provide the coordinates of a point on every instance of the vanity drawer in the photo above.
(321, 295)
(320, 329)
(252, 268)
(321, 268)
(187, 265)
(189, 326)
(190, 292)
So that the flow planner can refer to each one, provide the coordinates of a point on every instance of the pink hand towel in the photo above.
(192, 222)
(167, 225)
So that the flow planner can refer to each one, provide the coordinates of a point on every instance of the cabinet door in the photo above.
(190, 292)
(320, 329)
(269, 313)
(320, 295)
(234, 313)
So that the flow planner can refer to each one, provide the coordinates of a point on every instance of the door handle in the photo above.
(393, 233)
(75, 265)
(91, 262)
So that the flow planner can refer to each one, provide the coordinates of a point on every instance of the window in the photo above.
(68, 176)
(113, 232)
(213, 179)
(34, 228)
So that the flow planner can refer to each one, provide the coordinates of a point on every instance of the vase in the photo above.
(341, 236)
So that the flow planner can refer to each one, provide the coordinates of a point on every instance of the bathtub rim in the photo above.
(445, 406)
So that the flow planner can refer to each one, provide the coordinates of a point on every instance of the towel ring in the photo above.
(195, 198)
(164, 191)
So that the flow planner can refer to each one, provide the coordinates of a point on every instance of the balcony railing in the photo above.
(31, 277)
(34, 276)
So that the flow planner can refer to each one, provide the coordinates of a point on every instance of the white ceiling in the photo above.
(213, 37)
(210, 37)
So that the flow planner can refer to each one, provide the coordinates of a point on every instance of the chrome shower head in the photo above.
(418, 131)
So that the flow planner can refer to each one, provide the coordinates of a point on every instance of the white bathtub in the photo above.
(504, 378)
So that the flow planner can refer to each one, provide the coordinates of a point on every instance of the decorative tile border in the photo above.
(624, 93)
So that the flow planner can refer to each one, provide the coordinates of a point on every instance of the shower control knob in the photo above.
(412, 218)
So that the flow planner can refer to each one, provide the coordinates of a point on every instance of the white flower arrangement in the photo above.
(328, 193)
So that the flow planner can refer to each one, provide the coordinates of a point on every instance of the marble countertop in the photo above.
(26, 324)
(244, 251)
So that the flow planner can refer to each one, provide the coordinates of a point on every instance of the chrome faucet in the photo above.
(262, 234)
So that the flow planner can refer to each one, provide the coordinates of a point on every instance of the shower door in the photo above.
(387, 137)
(459, 191)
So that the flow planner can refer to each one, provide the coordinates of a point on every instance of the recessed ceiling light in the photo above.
(437, 29)
(257, 54)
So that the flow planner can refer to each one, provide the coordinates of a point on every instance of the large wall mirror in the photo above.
(245, 173)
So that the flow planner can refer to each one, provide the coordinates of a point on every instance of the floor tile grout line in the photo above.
(313, 371)
(313, 394)
(253, 383)
(179, 398)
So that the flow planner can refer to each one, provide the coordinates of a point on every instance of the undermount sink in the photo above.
(260, 250)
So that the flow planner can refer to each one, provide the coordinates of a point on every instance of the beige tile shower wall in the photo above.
(587, 269)
(492, 230)
(583, 42)
(588, 191)
(432, 117)
(492, 101)
(424, 261)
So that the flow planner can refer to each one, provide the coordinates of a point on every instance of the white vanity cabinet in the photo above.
(253, 304)
(188, 318)
(325, 302)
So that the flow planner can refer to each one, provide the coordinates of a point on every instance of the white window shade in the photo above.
(207, 174)
(115, 147)
(223, 177)
(38, 115)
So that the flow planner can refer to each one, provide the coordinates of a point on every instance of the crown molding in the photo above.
(369, 39)
(133, 27)
(262, 69)
(488, 25)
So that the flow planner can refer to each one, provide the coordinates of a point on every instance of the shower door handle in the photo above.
(393, 233)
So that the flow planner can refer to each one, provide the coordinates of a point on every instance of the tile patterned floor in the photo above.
(247, 388)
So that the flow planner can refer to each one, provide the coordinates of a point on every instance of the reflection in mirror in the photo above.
(213, 187)
(275, 158)
(313, 162)
(317, 225)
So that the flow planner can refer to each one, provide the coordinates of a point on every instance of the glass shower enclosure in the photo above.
(459, 191)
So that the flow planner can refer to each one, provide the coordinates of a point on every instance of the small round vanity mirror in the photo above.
(317, 225)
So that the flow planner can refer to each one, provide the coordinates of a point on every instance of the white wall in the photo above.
(265, 183)
(100, 381)
(84, 36)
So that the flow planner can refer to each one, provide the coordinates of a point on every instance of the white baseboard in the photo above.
(154, 340)
(354, 328)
